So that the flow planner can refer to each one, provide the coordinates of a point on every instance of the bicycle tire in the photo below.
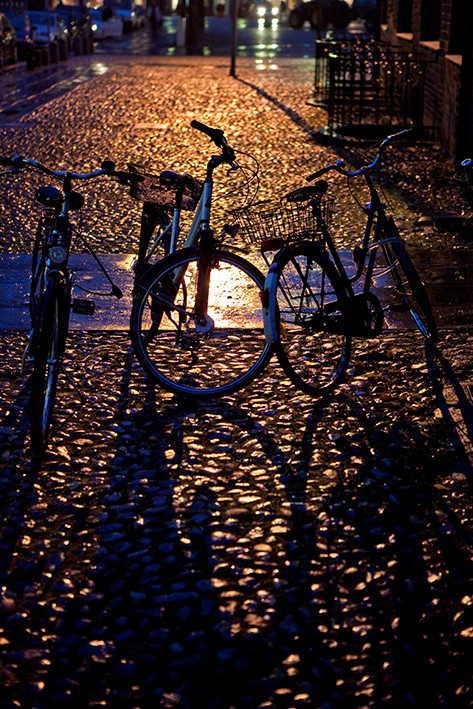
(49, 342)
(411, 289)
(306, 305)
(166, 342)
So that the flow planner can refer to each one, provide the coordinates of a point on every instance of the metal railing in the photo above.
(363, 81)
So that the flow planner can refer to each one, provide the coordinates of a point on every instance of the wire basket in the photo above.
(153, 189)
(465, 177)
(291, 221)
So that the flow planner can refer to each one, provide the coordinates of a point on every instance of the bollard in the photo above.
(181, 31)
(77, 46)
(30, 60)
(53, 52)
(45, 58)
(63, 49)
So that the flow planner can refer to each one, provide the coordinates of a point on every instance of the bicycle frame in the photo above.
(378, 224)
(51, 288)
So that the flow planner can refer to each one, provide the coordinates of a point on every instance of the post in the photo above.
(234, 12)
(464, 145)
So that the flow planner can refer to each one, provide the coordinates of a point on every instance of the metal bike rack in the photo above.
(362, 83)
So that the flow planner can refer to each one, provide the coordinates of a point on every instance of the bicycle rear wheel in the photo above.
(410, 289)
(179, 356)
(306, 315)
(48, 348)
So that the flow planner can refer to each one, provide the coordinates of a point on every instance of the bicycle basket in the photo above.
(279, 218)
(465, 177)
(151, 189)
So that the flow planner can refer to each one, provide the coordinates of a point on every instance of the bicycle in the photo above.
(465, 174)
(52, 280)
(311, 310)
(196, 324)
(164, 197)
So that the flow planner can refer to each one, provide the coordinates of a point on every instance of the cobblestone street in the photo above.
(259, 551)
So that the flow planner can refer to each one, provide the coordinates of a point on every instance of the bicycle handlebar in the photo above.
(20, 163)
(339, 165)
(217, 136)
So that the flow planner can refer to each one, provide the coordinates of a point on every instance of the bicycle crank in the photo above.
(366, 315)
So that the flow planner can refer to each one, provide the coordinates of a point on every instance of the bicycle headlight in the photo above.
(57, 255)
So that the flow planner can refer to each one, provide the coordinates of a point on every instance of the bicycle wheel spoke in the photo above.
(410, 289)
(179, 356)
(313, 349)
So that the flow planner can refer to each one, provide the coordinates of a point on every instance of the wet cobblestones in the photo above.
(264, 550)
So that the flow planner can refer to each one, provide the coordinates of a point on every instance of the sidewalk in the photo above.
(264, 550)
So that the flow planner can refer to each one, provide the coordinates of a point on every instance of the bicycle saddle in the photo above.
(304, 194)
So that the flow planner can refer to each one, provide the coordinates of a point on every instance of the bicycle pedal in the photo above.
(83, 306)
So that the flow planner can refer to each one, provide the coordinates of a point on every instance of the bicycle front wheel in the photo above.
(410, 289)
(48, 348)
(306, 315)
(174, 351)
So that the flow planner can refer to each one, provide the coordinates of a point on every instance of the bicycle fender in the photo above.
(271, 324)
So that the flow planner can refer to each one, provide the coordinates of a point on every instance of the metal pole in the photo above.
(234, 12)
(464, 143)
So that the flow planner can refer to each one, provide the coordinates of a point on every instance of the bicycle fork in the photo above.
(203, 321)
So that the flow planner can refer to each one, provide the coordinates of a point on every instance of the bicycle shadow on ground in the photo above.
(248, 549)
(453, 401)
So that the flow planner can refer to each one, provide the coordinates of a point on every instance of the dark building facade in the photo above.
(441, 32)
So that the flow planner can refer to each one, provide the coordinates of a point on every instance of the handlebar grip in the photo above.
(318, 173)
(6, 161)
(215, 134)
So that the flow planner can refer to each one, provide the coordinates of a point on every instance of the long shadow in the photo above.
(293, 115)
(440, 370)
(190, 592)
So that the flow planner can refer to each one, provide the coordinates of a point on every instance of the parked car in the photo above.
(126, 10)
(106, 24)
(259, 10)
(40, 23)
(320, 14)
(24, 34)
(78, 20)
(8, 49)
